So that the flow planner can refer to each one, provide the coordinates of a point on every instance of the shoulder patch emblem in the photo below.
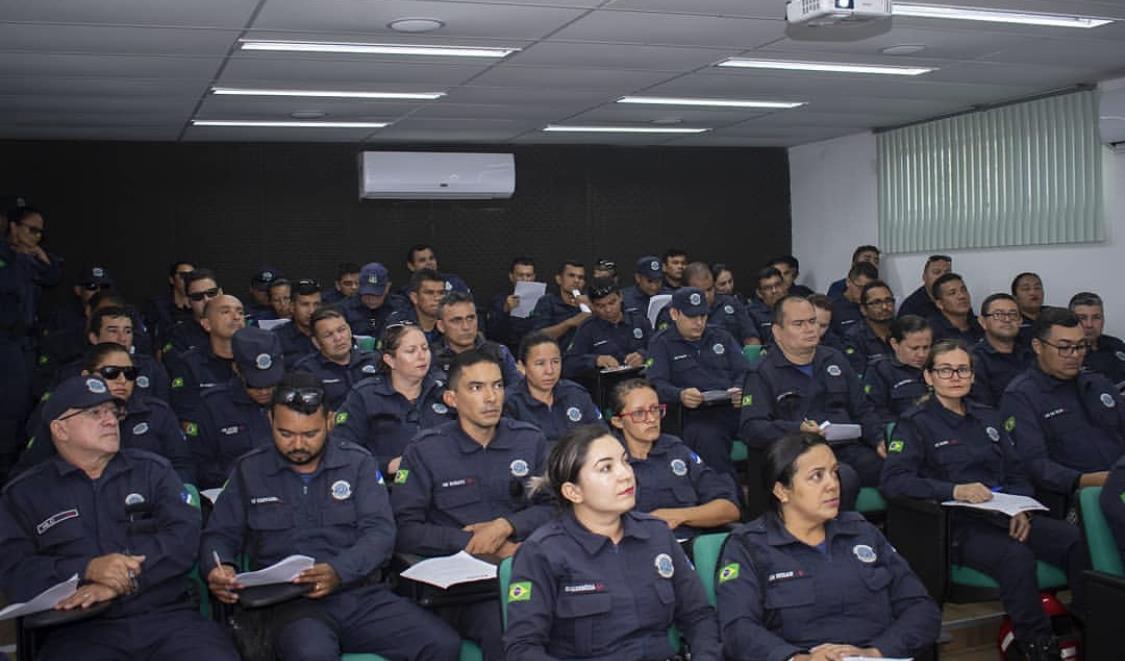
(341, 490)
(679, 467)
(834, 370)
(1010, 424)
(729, 572)
(573, 414)
(401, 476)
(896, 445)
(664, 565)
(864, 553)
(341, 417)
(519, 591)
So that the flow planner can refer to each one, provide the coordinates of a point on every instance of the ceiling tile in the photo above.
(572, 77)
(618, 56)
(246, 107)
(1093, 54)
(617, 27)
(54, 64)
(64, 38)
(689, 116)
(940, 44)
(514, 111)
(769, 9)
(147, 133)
(266, 134)
(197, 13)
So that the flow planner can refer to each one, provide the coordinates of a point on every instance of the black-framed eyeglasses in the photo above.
(111, 372)
(886, 302)
(946, 372)
(302, 399)
(99, 411)
(1002, 316)
(656, 412)
(1068, 349)
(198, 296)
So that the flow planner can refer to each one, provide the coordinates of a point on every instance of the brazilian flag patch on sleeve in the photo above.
(178, 382)
(401, 476)
(191, 429)
(1010, 424)
(649, 362)
(519, 592)
(747, 400)
(341, 417)
(729, 572)
(896, 445)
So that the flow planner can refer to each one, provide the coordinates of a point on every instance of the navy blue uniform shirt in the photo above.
(376, 416)
(549, 311)
(893, 388)
(714, 362)
(295, 345)
(945, 330)
(338, 379)
(1108, 359)
(229, 424)
(503, 327)
(845, 315)
(576, 594)
(572, 408)
(185, 335)
(443, 355)
(726, 312)
(863, 347)
(778, 597)
(934, 449)
(993, 371)
(1063, 429)
(365, 321)
(340, 516)
(194, 372)
(597, 337)
(54, 520)
(761, 315)
(447, 481)
(918, 303)
(408, 315)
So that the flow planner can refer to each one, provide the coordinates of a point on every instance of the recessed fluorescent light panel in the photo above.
(555, 128)
(341, 94)
(832, 67)
(711, 103)
(996, 16)
(289, 124)
(375, 49)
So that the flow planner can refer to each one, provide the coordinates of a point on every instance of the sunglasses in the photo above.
(203, 295)
(94, 286)
(111, 372)
(305, 400)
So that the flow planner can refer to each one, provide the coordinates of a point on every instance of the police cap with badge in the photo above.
(78, 392)
(649, 267)
(262, 280)
(258, 354)
(689, 301)
(373, 279)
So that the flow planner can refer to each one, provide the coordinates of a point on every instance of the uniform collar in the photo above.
(118, 464)
(330, 459)
(467, 445)
(593, 543)
(1046, 381)
(778, 535)
(136, 404)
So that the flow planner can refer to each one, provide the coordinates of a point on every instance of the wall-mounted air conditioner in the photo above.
(407, 175)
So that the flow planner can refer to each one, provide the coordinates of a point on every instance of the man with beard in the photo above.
(296, 336)
(868, 341)
(955, 319)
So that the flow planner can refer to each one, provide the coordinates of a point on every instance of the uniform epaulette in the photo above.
(519, 424)
(25, 475)
(349, 446)
(253, 453)
(145, 455)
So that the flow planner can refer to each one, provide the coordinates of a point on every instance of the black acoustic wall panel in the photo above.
(133, 207)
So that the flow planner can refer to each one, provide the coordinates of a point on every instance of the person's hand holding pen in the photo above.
(117, 571)
(221, 581)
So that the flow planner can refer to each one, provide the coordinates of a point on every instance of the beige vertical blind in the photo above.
(1024, 174)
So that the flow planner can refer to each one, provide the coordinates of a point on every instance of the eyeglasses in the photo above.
(1003, 316)
(198, 296)
(302, 399)
(885, 302)
(946, 372)
(640, 415)
(1068, 349)
(94, 286)
(98, 412)
(111, 372)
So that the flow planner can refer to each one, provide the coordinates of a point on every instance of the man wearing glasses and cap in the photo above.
(296, 336)
(368, 311)
(301, 494)
(71, 317)
(1068, 425)
(231, 419)
(119, 520)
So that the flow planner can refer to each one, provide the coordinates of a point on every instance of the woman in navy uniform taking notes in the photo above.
(951, 448)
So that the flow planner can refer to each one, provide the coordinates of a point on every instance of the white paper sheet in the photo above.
(271, 324)
(1005, 503)
(581, 306)
(284, 571)
(529, 293)
(710, 396)
(211, 494)
(655, 305)
(451, 570)
(834, 433)
(44, 601)
(621, 368)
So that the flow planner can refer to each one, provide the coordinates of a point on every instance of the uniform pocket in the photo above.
(460, 502)
(340, 514)
(587, 617)
(270, 518)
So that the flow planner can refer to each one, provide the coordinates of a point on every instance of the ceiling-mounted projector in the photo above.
(836, 12)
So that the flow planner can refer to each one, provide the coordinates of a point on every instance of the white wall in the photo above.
(833, 187)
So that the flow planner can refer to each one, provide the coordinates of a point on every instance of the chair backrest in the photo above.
(753, 352)
(504, 574)
(705, 551)
(1104, 555)
(364, 343)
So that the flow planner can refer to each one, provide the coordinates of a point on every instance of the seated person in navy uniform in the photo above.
(673, 263)
(463, 486)
(147, 423)
(895, 384)
(868, 341)
(118, 518)
(201, 285)
(689, 358)
(1106, 353)
(421, 256)
(344, 287)
(115, 324)
(425, 291)
(261, 308)
(281, 301)
(724, 311)
(920, 301)
(867, 254)
(1068, 425)
(560, 314)
(203, 367)
(502, 326)
(611, 338)
(807, 582)
(233, 417)
(1113, 503)
(673, 482)
(296, 336)
(1002, 354)
(163, 312)
(800, 385)
(67, 322)
(950, 447)
(303, 494)
(648, 281)
(828, 337)
(846, 312)
(552, 404)
(789, 268)
(770, 289)
(385, 412)
(955, 319)
(458, 323)
(1027, 290)
(724, 281)
(601, 581)
(337, 363)
(369, 309)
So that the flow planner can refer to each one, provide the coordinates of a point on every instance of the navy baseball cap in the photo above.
(690, 301)
(95, 275)
(649, 267)
(77, 392)
(263, 278)
(259, 357)
(373, 279)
